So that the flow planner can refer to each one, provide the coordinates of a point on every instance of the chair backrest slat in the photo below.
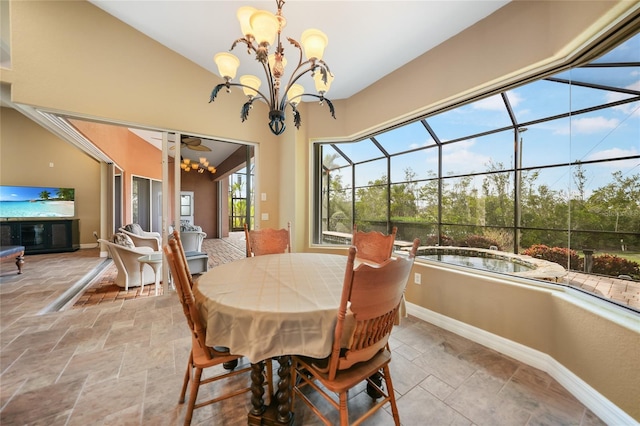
(373, 246)
(267, 241)
(371, 295)
(175, 235)
(182, 282)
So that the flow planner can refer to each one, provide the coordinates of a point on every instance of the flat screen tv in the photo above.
(36, 202)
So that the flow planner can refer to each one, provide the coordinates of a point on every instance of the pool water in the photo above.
(487, 264)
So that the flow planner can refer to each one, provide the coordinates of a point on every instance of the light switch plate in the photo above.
(265, 216)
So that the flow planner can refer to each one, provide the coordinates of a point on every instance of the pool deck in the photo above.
(625, 292)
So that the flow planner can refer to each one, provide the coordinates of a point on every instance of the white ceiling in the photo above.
(367, 39)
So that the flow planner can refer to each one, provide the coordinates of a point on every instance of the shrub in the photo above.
(432, 240)
(502, 237)
(559, 255)
(612, 265)
(478, 241)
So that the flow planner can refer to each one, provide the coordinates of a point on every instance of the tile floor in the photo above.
(122, 362)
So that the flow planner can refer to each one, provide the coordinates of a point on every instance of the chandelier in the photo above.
(261, 30)
(187, 165)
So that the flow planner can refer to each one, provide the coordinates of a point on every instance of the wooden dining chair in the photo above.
(360, 339)
(373, 246)
(175, 235)
(268, 240)
(201, 356)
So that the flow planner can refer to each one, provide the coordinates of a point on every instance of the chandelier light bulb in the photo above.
(313, 43)
(244, 15)
(253, 82)
(294, 92)
(264, 26)
(321, 87)
(227, 65)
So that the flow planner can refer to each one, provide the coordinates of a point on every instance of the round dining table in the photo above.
(272, 306)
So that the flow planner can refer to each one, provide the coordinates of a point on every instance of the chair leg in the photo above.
(392, 395)
(195, 385)
(187, 376)
(344, 413)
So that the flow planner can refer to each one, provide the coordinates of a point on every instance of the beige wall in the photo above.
(26, 149)
(74, 58)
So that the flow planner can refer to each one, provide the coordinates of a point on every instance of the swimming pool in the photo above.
(493, 261)
(487, 264)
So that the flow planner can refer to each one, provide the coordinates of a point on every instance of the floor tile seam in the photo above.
(445, 401)
(78, 398)
(15, 394)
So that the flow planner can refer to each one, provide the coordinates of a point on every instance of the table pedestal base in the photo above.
(278, 412)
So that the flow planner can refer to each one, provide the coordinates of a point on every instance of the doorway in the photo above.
(186, 207)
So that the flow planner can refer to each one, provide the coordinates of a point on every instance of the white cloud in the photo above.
(492, 103)
(429, 141)
(631, 109)
(462, 159)
(589, 125)
(612, 153)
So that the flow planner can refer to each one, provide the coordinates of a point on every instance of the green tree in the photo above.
(66, 194)
(336, 200)
(371, 201)
(618, 203)
(497, 191)
(44, 195)
(404, 198)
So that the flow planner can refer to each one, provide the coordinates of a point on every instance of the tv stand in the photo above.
(41, 235)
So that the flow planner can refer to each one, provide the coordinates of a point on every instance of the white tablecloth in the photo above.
(273, 305)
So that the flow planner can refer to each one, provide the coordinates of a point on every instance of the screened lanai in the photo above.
(548, 168)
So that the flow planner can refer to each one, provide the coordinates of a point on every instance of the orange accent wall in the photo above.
(133, 155)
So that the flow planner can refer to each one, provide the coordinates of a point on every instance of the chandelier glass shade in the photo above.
(187, 165)
(261, 31)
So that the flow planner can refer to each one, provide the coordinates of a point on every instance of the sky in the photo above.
(24, 193)
(608, 133)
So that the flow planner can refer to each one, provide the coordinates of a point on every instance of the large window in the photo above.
(549, 169)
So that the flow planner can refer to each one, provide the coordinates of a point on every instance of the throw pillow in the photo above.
(123, 239)
(134, 228)
(185, 227)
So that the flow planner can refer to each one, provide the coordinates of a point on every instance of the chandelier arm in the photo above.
(270, 82)
(249, 43)
(322, 99)
(297, 45)
(295, 76)
(216, 89)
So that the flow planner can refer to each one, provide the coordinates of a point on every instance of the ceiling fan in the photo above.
(190, 142)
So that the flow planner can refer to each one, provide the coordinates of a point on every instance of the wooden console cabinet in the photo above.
(41, 235)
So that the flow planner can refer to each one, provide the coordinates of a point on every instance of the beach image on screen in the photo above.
(36, 202)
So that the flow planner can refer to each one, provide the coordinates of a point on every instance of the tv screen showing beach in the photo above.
(36, 202)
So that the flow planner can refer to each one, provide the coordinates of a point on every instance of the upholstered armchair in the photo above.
(125, 256)
(191, 238)
(142, 238)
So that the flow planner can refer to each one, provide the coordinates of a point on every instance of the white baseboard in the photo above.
(606, 410)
